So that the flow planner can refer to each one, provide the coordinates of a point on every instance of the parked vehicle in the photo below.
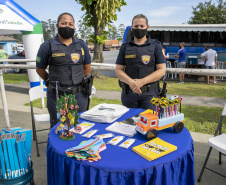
(20, 55)
(20, 47)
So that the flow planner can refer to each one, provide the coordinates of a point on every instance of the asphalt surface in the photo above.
(19, 115)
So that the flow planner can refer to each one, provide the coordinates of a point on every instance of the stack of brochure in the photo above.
(104, 113)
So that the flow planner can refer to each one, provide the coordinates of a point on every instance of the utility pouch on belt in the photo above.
(87, 83)
(124, 86)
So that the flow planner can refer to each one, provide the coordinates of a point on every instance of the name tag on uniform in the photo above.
(58, 55)
(130, 56)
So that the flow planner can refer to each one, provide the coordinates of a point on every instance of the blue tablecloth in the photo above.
(119, 166)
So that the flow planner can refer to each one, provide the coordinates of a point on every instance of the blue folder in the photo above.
(19, 152)
(10, 154)
(24, 153)
(5, 151)
(15, 156)
(2, 160)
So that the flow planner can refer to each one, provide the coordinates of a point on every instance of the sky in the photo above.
(165, 12)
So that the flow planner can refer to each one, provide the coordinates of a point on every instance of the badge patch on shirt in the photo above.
(130, 56)
(145, 59)
(75, 57)
(58, 54)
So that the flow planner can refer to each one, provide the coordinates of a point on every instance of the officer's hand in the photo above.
(134, 87)
(137, 91)
(139, 82)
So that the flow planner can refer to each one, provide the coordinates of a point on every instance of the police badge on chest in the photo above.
(75, 57)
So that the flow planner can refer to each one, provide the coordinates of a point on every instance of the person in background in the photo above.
(139, 66)
(3, 55)
(166, 55)
(210, 57)
(69, 63)
(181, 60)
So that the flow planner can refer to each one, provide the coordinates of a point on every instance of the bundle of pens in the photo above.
(166, 107)
(15, 152)
(87, 150)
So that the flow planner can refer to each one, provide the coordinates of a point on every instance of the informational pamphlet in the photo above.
(81, 128)
(126, 127)
(122, 128)
(154, 149)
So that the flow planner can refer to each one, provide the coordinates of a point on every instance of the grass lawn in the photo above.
(188, 88)
(15, 78)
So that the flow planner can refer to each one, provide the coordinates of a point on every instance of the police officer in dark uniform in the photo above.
(69, 62)
(139, 66)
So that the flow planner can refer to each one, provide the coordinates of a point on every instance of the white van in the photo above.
(19, 47)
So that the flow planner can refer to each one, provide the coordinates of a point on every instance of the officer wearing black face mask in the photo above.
(139, 66)
(69, 62)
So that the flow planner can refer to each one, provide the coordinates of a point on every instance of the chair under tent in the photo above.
(35, 93)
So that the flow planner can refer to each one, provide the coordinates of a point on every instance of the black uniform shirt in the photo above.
(44, 55)
(159, 58)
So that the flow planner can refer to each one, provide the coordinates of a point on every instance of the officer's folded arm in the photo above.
(87, 69)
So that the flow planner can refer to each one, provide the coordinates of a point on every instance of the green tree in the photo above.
(98, 14)
(18, 37)
(49, 29)
(46, 31)
(208, 13)
(121, 30)
(112, 32)
(84, 31)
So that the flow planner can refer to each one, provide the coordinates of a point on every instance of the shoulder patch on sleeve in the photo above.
(38, 59)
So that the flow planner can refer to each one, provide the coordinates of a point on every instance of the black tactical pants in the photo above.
(132, 100)
(81, 98)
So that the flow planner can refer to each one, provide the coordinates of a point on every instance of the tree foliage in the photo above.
(84, 31)
(121, 30)
(208, 13)
(49, 29)
(98, 14)
(112, 32)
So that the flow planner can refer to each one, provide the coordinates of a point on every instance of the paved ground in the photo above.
(17, 96)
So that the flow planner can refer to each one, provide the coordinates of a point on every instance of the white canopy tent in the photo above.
(15, 20)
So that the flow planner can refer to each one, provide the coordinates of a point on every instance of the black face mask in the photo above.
(139, 33)
(66, 32)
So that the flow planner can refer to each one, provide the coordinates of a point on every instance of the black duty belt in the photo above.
(149, 87)
(145, 88)
(69, 90)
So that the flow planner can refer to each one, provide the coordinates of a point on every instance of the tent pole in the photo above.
(4, 103)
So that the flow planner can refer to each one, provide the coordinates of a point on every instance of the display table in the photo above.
(121, 166)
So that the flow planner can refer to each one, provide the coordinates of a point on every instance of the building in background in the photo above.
(9, 45)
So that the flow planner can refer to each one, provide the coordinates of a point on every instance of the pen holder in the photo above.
(26, 179)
